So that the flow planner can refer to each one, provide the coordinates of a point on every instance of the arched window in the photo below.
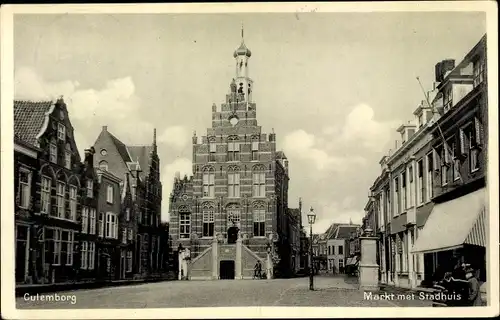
(255, 148)
(212, 149)
(233, 149)
(259, 181)
(259, 219)
(233, 215)
(184, 222)
(233, 182)
(103, 165)
(208, 220)
(208, 182)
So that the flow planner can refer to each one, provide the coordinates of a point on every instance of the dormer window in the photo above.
(448, 98)
(478, 72)
(61, 132)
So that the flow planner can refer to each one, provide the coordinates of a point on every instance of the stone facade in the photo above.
(239, 183)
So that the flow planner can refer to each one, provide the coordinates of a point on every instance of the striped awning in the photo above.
(454, 223)
(477, 235)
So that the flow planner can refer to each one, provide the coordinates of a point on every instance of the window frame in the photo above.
(24, 189)
(53, 152)
(60, 199)
(259, 222)
(85, 220)
(184, 225)
(109, 194)
(61, 131)
(208, 220)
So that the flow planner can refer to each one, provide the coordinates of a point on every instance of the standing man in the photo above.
(474, 288)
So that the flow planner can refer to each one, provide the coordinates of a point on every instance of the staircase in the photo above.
(201, 266)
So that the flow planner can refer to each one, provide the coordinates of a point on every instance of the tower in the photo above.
(242, 82)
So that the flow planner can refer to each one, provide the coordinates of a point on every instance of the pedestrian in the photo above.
(257, 270)
(474, 298)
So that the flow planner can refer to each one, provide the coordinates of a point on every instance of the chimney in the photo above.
(104, 128)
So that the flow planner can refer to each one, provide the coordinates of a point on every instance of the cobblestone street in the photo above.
(329, 292)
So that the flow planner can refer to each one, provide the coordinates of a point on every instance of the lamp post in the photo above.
(311, 218)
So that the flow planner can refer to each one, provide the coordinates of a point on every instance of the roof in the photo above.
(121, 147)
(30, 118)
(142, 155)
(280, 155)
(331, 229)
(345, 231)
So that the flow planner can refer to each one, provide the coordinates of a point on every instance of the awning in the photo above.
(454, 223)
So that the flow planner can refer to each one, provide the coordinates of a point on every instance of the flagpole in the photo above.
(445, 144)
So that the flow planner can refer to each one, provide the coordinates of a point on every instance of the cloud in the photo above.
(305, 146)
(361, 127)
(28, 85)
(176, 136)
(181, 165)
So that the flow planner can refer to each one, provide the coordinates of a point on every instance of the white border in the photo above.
(7, 147)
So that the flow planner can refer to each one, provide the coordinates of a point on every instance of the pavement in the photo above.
(329, 292)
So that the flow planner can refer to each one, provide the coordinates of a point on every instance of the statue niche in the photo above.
(232, 233)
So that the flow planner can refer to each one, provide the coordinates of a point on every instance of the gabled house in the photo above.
(49, 190)
(142, 165)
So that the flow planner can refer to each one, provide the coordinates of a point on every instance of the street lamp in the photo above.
(311, 218)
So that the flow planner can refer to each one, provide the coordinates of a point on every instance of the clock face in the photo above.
(104, 152)
(234, 121)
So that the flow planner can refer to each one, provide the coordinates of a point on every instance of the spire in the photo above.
(154, 138)
(242, 37)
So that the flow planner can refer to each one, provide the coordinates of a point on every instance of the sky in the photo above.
(333, 86)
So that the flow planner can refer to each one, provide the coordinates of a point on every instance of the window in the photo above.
(103, 165)
(91, 257)
(85, 219)
(84, 255)
(233, 182)
(255, 150)
(212, 151)
(429, 177)
(67, 242)
(259, 182)
(329, 250)
(478, 72)
(67, 158)
(127, 214)
(124, 235)
(403, 191)
(473, 154)
(101, 224)
(53, 238)
(129, 261)
(92, 223)
(208, 182)
(60, 199)
(109, 194)
(24, 188)
(72, 203)
(233, 215)
(420, 182)
(53, 153)
(456, 162)
(412, 187)
(208, 222)
(396, 196)
(90, 188)
(130, 234)
(61, 132)
(233, 149)
(444, 165)
(333, 249)
(111, 225)
(184, 225)
(341, 263)
(341, 250)
(45, 195)
(448, 98)
(259, 221)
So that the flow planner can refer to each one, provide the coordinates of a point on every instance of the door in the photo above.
(22, 252)
(227, 269)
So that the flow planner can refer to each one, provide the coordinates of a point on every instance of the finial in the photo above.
(194, 133)
(242, 38)
(154, 136)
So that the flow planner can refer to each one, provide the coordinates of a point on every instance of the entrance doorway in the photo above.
(227, 269)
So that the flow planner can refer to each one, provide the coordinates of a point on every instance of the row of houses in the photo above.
(96, 219)
(428, 206)
(331, 249)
